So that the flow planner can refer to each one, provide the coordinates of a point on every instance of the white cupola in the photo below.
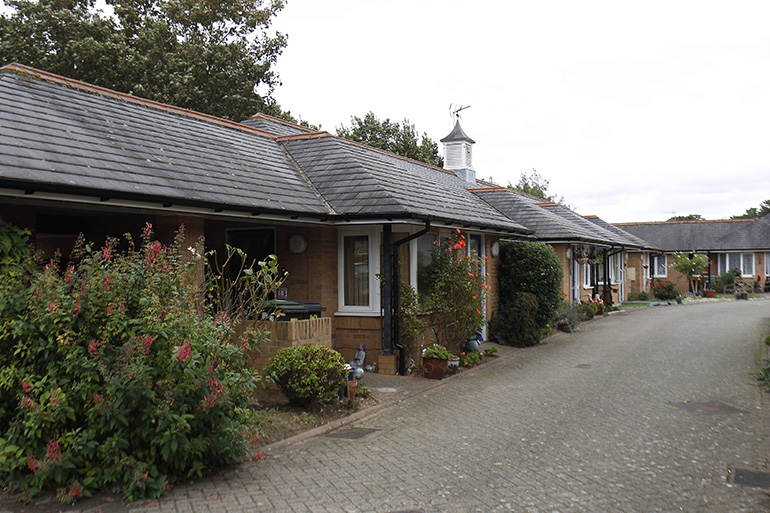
(458, 149)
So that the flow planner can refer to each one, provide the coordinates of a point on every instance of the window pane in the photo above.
(660, 265)
(767, 264)
(424, 249)
(735, 260)
(356, 254)
(586, 275)
(748, 264)
(722, 266)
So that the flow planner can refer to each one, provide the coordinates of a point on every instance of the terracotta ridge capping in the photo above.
(699, 221)
(23, 70)
(391, 154)
(549, 204)
(268, 117)
(590, 216)
(488, 189)
(303, 136)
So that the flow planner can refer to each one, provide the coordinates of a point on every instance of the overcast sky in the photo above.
(633, 111)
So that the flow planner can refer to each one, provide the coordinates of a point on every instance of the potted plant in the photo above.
(709, 290)
(581, 256)
(434, 361)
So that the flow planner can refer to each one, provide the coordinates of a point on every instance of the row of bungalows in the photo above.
(740, 246)
(348, 222)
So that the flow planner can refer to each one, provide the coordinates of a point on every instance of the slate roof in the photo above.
(358, 180)
(457, 134)
(64, 136)
(547, 225)
(721, 235)
(632, 240)
(608, 237)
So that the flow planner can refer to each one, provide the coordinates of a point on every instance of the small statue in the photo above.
(359, 358)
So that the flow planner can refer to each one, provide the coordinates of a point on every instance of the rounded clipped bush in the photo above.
(307, 374)
(516, 324)
(531, 267)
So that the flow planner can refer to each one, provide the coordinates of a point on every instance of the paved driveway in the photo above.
(596, 421)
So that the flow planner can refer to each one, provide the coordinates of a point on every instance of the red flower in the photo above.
(75, 490)
(53, 451)
(183, 352)
(32, 462)
(147, 342)
(147, 229)
(107, 252)
(26, 387)
(93, 348)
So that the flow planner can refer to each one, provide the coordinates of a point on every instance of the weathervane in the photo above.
(455, 112)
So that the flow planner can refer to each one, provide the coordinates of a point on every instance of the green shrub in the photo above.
(534, 268)
(491, 351)
(639, 296)
(587, 309)
(454, 293)
(725, 280)
(470, 359)
(436, 351)
(664, 289)
(516, 324)
(308, 374)
(116, 374)
(567, 318)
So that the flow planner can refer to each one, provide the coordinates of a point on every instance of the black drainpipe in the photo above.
(607, 290)
(392, 281)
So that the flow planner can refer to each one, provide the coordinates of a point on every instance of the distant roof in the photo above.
(610, 237)
(719, 235)
(457, 135)
(547, 225)
(632, 240)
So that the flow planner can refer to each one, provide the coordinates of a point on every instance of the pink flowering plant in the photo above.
(455, 293)
(120, 369)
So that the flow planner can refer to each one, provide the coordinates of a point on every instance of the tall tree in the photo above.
(206, 56)
(398, 138)
(754, 212)
(534, 185)
(689, 217)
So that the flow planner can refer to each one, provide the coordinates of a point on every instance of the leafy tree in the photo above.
(689, 264)
(205, 56)
(691, 217)
(754, 212)
(534, 185)
(399, 138)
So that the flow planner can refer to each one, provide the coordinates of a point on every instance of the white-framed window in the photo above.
(659, 266)
(767, 265)
(616, 268)
(744, 262)
(586, 276)
(358, 266)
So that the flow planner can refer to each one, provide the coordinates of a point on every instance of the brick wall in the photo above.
(293, 333)
(493, 276)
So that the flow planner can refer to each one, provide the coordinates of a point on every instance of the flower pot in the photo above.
(434, 367)
(453, 364)
(352, 387)
(710, 292)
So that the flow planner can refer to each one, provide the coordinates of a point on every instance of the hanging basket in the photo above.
(581, 261)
